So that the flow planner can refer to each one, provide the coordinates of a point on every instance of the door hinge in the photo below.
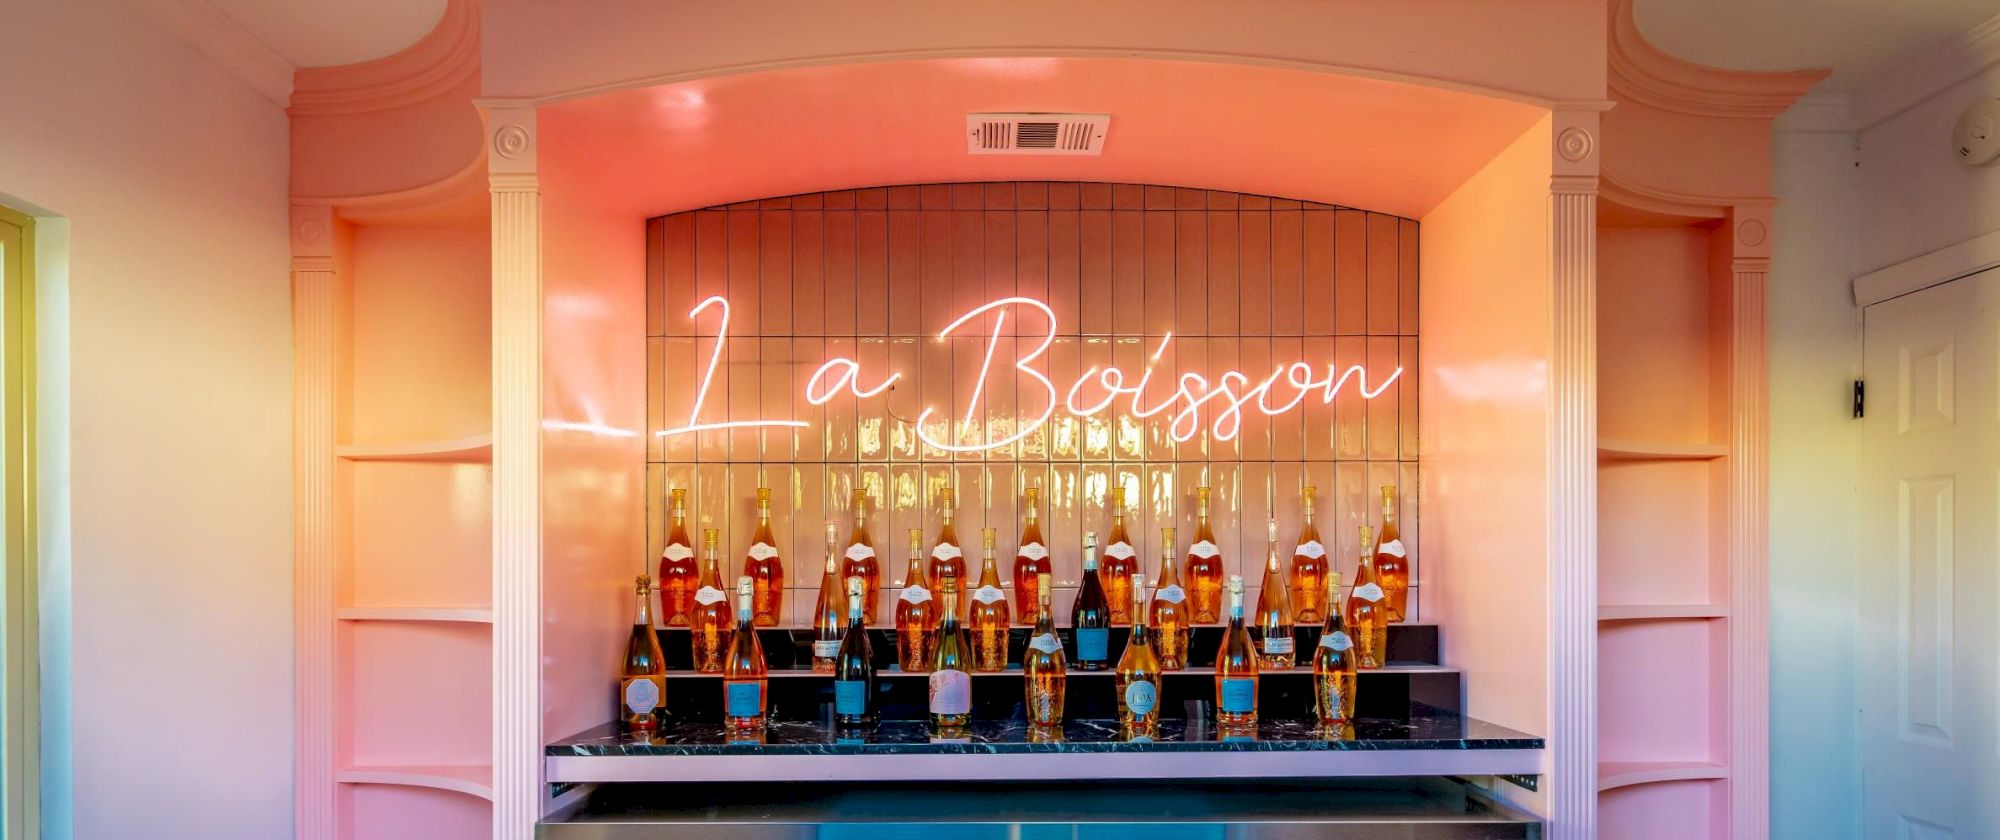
(1860, 393)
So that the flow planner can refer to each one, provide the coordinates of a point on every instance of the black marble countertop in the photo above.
(992, 737)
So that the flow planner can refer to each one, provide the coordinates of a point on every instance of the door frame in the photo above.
(20, 683)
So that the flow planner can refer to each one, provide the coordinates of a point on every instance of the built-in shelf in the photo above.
(471, 780)
(1653, 612)
(477, 449)
(1204, 670)
(474, 616)
(1610, 449)
(1618, 774)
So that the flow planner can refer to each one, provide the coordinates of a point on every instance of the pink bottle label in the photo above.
(951, 692)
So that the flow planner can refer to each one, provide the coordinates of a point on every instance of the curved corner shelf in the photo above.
(1655, 612)
(471, 780)
(477, 449)
(1617, 774)
(469, 615)
(1613, 449)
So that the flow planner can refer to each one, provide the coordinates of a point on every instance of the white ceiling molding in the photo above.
(1824, 113)
(1922, 272)
(1924, 72)
(220, 39)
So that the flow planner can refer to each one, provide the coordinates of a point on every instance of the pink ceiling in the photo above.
(1385, 146)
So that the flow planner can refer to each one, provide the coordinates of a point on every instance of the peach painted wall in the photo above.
(168, 602)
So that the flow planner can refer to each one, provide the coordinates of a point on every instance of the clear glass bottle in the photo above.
(1236, 668)
(828, 619)
(1031, 558)
(951, 678)
(1042, 664)
(1138, 679)
(1309, 567)
(916, 613)
(1204, 567)
(854, 666)
(1367, 611)
(1392, 563)
(989, 610)
(1120, 562)
(709, 622)
(947, 556)
(743, 670)
(1333, 664)
(1090, 614)
(1273, 628)
(642, 686)
(1170, 610)
(860, 558)
(765, 568)
(680, 575)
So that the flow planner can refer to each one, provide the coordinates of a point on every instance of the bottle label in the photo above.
(642, 694)
(763, 551)
(946, 551)
(1393, 548)
(850, 697)
(1204, 550)
(826, 648)
(1311, 548)
(1046, 643)
(677, 553)
(1372, 592)
(710, 595)
(916, 594)
(860, 551)
(1172, 594)
(1093, 644)
(1239, 695)
(951, 693)
(1277, 644)
(743, 699)
(1034, 551)
(988, 594)
(1336, 641)
(1121, 550)
(1141, 696)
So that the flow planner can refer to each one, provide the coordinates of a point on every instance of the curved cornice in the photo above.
(464, 187)
(442, 59)
(1645, 74)
(1669, 203)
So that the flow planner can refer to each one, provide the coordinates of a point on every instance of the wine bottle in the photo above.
(1120, 562)
(1170, 616)
(1333, 664)
(1273, 631)
(1031, 558)
(1138, 680)
(1204, 567)
(1309, 566)
(1236, 667)
(951, 683)
(709, 622)
(1367, 614)
(854, 666)
(1392, 565)
(642, 687)
(680, 575)
(1090, 615)
(765, 568)
(989, 612)
(1042, 664)
(947, 560)
(743, 671)
(860, 556)
(916, 613)
(828, 618)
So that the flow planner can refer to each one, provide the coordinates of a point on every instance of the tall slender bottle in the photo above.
(1236, 667)
(916, 613)
(828, 616)
(709, 623)
(1031, 558)
(947, 558)
(1204, 567)
(1120, 563)
(1170, 609)
(1138, 680)
(1392, 565)
(765, 568)
(642, 688)
(1367, 611)
(1274, 613)
(680, 575)
(854, 666)
(951, 679)
(989, 612)
(860, 556)
(1333, 664)
(743, 671)
(1309, 567)
(1042, 665)
(1090, 614)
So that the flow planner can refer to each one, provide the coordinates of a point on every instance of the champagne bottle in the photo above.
(1392, 565)
(854, 666)
(642, 688)
(860, 556)
(1121, 561)
(947, 560)
(743, 671)
(1090, 615)
(1204, 567)
(710, 619)
(1138, 680)
(989, 612)
(1236, 667)
(916, 613)
(1042, 664)
(765, 568)
(951, 683)
(1170, 615)
(827, 615)
(1274, 613)
(680, 575)
(1309, 567)
(1031, 559)
(1333, 664)
(1367, 614)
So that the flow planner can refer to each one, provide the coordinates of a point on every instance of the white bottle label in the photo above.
(860, 551)
(677, 553)
(642, 696)
(946, 551)
(1311, 548)
(826, 648)
(1120, 550)
(988, 594)
(763, 551)
(916, 594)
(1204, 550)
(1336, 640)
(1393, 548)
(710, 595)
(1277, 644)
(1174, 594)
(1034, 551)
(1371, 592)
(951, 692)
(1046, 643)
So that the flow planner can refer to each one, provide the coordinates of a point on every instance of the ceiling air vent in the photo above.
(1036, 134)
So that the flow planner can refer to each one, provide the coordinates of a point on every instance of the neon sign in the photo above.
(1196, 403)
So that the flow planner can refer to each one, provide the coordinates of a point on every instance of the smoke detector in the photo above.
(1036, 134)
(1976, 138)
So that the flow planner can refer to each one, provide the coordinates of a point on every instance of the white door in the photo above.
(1929, 640)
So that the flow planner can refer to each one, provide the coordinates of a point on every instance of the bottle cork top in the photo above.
(1034, 495)
(1089, 540)
(1201, 493)
(949, 585)
(745, 586)
(832, 531)
(1273, 527)
(709, 536)
(645, 584)
(1388, 494)
(1307, 492)
(986, 538)
(1367, 538)
(680, 496)
(1235, 584)
(947, 497)
(916, 539)
(763, 497)
(1167, 541)
(1042, 583)
(854, 586)
(1118, 499)
(860, 498)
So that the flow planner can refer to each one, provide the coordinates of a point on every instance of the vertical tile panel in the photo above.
(1064, 430)
(745, 396)
(1191, 271)
(1288, 428)
(807, 354)
(1065, 233)
(1128, 438)
(1160, 360)
(1158, 264)
(1253, 357)
(1065, 195)
(1222, 270)
(997, 400)
(1099, 431)
(1350, 411)
(968, 421)
(1190, 357)
(745, 315)
(779, 477)
(1128, 197)
(1351, 505)
(1002, 492)
(656, 516)
(1383, 263)
(711, 264)
(710, 500)
(678, 282)
(774, 273)
(681, 365)
(969, 196)
(974, 514)
(1228, 498)
(998, 243)
(1408, 492)
(905, 267)
(839, 275)
(871, 414)
(1350, 272)
(1223, 358)
(1031, 262)
(656, 393)
(1096, 297)
(840, 409)
(938, 304)
(656, 276)
(710, 395)
(1031, 195)
(938, 394)
(1166, 504)
(934, 196)
(1406, 388)
(871, 272)
(904, 197)
(1280, 495)
(1128, 271)
(1408, 278)
(775, 369)
(1383, 438)
(874, 478)
(1070, 514)
(808, 272)
(1318, 283)
(905, 397)
(808, 529)
(1287, 296)
(968, 265)
(1253, 262)
(1322, 428)
(1032, 401)
(906, 511)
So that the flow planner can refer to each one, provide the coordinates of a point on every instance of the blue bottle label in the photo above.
(850, 697)
(1141, 696)
(1092, 644)
(743, 699)
(1239, 695)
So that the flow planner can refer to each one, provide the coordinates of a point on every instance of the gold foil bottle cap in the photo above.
(1388, 495)
(1118, 500)
(645, 584)
(917, 540)
(1166, 542)
(709, 537)
(1042, 583)
(680, 496)
(986, 538)
(763, 497)
(1307, 492)
(947, 497)
(1367, 538)
(948, 586)
(1201, 493)
(1034, 496)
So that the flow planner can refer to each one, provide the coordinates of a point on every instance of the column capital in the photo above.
(1574, 154)
(512, 142)
(312, 235)
(1750, 233)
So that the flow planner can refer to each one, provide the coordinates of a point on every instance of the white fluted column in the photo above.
(315, 369)
(1749, 573)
